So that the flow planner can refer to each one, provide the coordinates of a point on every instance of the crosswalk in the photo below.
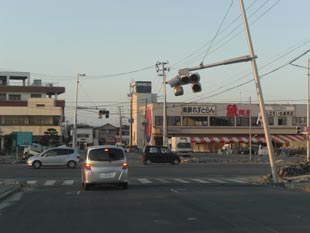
(149, 181)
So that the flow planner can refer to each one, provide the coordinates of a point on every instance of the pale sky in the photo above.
(55, 40)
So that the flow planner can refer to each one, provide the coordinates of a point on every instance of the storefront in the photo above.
(211, 126)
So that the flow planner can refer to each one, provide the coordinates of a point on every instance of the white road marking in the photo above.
(218, 181)
(162, 180)
(144, 181)
(68, 182)
(237, 181)
(49, 182)
(200, 181)
(32, 182)
(181, 180)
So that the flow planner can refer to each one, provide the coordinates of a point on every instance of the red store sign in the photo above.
(232, 110)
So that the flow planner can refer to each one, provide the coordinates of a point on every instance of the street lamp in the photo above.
(74, 135)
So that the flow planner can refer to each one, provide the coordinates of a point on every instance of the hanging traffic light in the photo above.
(184, 77)
(298, 130)
(103, 112)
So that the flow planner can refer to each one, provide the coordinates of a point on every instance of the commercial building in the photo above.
(28, 107)
(212, 125)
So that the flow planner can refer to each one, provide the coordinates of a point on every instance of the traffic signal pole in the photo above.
(260, 97)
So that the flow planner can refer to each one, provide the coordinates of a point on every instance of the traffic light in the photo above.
(184, 77)
(103, 112)
(298, 130)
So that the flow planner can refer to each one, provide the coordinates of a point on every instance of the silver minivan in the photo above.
(55, 156)
(106, 164)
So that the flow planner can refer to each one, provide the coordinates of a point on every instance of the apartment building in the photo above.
(28, 106)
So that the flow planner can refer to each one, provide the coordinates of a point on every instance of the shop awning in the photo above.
(218, 139)
(256, 139)
(285, 138)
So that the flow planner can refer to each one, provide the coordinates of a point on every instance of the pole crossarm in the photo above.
(225, 62)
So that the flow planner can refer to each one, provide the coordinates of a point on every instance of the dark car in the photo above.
(159, 154)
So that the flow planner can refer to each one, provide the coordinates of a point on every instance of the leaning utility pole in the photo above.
(163, 69)
(260, 96)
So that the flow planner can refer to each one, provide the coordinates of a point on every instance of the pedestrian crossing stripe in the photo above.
(181, 180)
(153, 180)
(144, 181)
(201, 181)
(49, 182)
(218, 181)
(68, 182)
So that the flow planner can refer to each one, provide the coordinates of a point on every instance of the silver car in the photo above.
(105, 165)
(55, 156)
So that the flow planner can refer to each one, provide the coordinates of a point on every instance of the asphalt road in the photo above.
(216, 197)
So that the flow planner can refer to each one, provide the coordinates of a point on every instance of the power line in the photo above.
(213, 39)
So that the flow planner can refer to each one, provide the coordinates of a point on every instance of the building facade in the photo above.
(28, 107)
(212, 125)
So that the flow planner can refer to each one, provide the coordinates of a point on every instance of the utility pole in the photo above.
(308, 109)
(74, 133)
(120, 126)
(163, 70)
(130, 120)
(250, 129)
(260, 96)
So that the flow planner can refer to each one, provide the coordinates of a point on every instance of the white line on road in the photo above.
(237, 181)
(218, 181)
(162, 180)
(181, 180)
(68, 182)
(50, 182)
(144, 181)
(200, 181)
(32, 182)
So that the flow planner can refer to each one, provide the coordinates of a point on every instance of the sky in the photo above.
(116, 42)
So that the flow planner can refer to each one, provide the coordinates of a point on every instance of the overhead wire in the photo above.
(219, 28)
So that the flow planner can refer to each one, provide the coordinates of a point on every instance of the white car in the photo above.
(55, 156)
(105, 164)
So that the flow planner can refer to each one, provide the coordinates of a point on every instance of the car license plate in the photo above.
(107, 175)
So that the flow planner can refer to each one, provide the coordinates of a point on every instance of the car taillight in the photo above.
(125, 165)
(87, 166)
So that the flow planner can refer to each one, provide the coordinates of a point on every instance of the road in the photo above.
(214, 197)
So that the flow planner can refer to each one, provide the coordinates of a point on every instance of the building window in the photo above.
(2, 96)
(35, 95)
(158, 121)
(15, 97)
(282, 121)
(174, 121)
(40, 120)
(222, 121)
(56, 120)
(14, 120)
(195, 121)
(271, 120)
(299, 121)
(171, 121)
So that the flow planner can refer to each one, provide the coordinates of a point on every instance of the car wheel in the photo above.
(36, 164)
(175, 162)
(148, 162)
(86, 186)
(125, 185)
(71, 164)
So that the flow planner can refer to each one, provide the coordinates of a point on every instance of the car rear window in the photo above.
(106, 154)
